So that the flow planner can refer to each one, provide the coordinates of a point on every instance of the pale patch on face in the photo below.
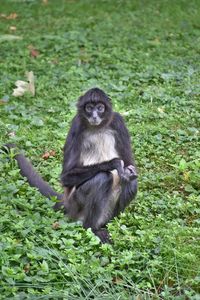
(95, 122)
(97, 147)
(94, 113)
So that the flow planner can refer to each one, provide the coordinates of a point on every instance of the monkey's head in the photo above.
(95, 108)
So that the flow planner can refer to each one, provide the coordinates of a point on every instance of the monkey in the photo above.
(99, 174)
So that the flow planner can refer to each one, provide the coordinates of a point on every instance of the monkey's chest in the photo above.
(97, 147)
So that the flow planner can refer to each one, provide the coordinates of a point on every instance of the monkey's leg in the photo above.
(95, 196)
(128, 193)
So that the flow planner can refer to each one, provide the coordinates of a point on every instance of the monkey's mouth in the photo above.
(95, 122)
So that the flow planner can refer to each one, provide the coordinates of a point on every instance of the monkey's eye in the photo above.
(88, 108)
(101, 107)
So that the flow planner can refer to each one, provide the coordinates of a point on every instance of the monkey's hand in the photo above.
(125, 174)
(129, 173)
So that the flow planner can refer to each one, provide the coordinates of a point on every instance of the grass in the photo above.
(146, 55)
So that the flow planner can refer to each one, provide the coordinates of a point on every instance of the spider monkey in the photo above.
(98, 172)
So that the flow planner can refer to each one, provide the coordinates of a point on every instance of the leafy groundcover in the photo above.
(146, 55)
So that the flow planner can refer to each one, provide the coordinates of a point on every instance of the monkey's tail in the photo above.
(34, 179)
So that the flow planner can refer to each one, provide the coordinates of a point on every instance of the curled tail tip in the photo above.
(10, 145)
(6, 148)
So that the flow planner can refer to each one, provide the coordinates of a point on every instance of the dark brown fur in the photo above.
(98, 174)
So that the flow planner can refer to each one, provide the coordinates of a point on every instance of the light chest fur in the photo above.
(98, 146)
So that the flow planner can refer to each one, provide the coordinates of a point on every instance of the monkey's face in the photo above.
(95, 108)
(95, 113)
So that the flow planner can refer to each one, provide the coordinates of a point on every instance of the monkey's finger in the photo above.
(132, 176)
(129, 174)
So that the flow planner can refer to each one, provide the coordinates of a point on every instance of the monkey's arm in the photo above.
(123, 142)
(79, 175)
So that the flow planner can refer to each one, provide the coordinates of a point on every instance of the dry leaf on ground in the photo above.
(12, 16)
(48, 154)
(23, 86)
(33, 52)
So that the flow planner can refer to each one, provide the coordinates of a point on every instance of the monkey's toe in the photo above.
(104, 236)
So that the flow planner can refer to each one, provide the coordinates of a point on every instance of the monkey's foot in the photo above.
(59, 206)
(103, 234)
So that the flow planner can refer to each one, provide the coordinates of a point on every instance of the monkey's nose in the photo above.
(94, 115)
